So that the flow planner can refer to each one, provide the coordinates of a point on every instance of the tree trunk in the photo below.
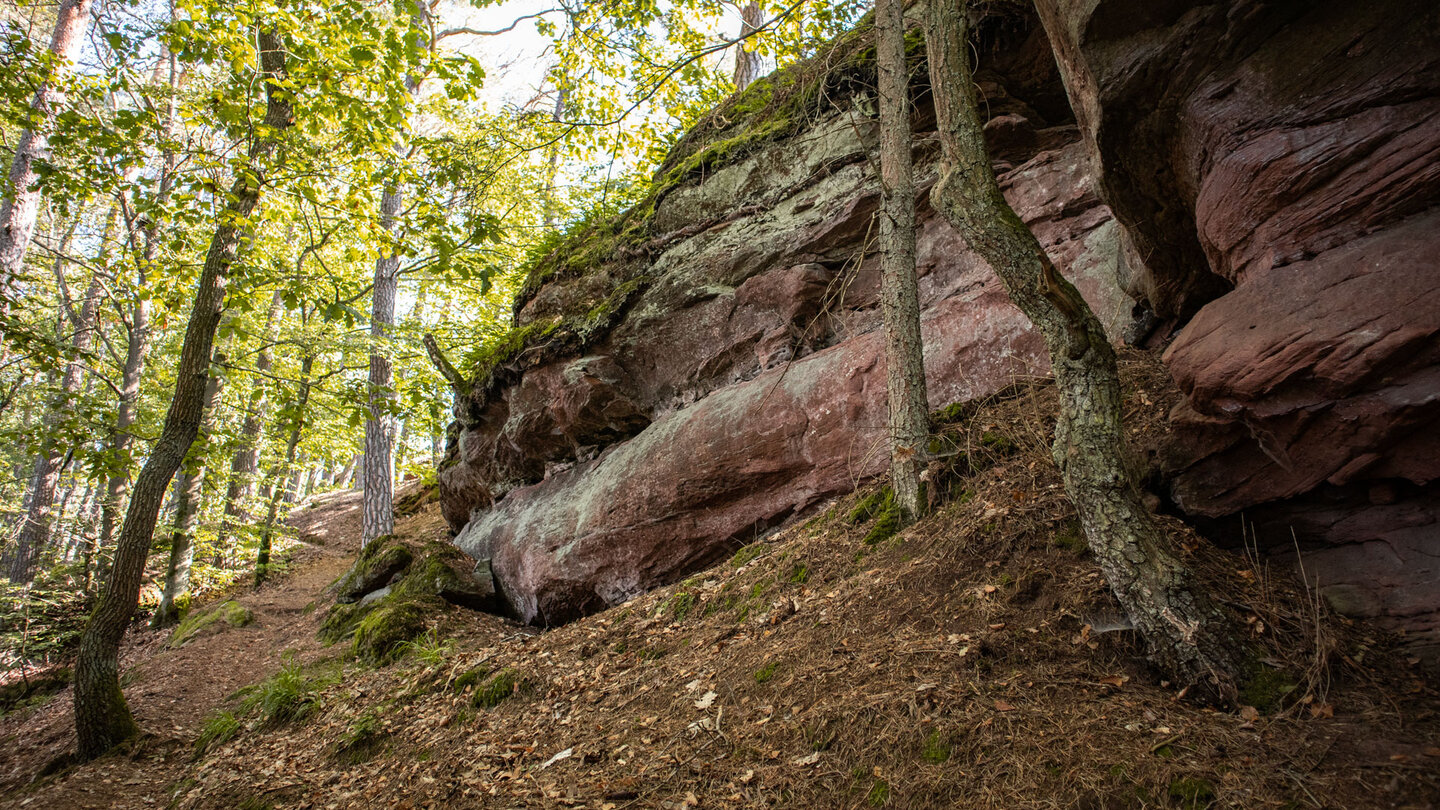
(378, 517)
(118, 452)
(189, 484)
(747, 62)
(899, 295)
(21, 200)
(102, 718)
(246, 463)
(35, 531)
(273, 488)
(1187, 634)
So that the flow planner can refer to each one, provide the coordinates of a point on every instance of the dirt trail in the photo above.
(171, 691)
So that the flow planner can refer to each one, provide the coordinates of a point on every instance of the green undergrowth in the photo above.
(290, 695)
(198, 622)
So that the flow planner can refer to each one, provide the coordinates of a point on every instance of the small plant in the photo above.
(429, 648)
(879, 794)
(219, 727)
(936, 749)
(766, 672)
(679, 605)
(998, 443)
(887, 524)
(287, 695)
(362, 740)
(1071, 538)
(470, 677)
(1192, 794)
(499, 688)
(799, 575)
(872, 505)
(746, 554)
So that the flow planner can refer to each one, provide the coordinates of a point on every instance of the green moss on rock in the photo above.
(380, 637)
(381, 560)
(200, 622)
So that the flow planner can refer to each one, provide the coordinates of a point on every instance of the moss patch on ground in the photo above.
(199, 622)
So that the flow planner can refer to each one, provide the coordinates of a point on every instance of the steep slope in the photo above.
(972, 661)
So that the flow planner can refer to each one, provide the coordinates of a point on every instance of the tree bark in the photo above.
(35, 531)
(1187, 634)
(21, 203)
(102, 718)
(747, 62)
(189, 484)
(378, 516)
(246, 464)
(899, 294)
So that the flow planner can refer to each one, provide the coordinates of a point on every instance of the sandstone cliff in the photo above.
(686, 376)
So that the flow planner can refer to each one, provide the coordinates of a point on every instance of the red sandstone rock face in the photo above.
(756, 400)
(1292, 152)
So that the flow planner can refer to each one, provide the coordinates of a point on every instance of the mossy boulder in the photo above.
(380, 637)
(434, 576)
(378, 564)
(204, 622)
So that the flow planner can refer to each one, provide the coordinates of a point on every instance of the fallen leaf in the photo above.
(1249, 713)
(1002, 706)
(706, 700)
(1323, 710)
(806, 760)
(1116, 681)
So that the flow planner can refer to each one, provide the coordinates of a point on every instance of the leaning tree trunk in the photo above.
(20, 205)
(246, 463)
(102, 718)
(188, 486)
(899, 294)
(274, 490)
(1186, 632)
(35, 531)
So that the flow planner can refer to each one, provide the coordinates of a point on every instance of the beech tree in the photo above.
(1185, 629)
(899, 295)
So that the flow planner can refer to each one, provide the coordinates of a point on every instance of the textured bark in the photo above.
(1187, 634)
(21, 204)
(274, 492)
(188, 486)
(747, 62)
(899, 294)
(378, 518)
(246, 464)
(35, 531)
(102, 718)
(117, 483)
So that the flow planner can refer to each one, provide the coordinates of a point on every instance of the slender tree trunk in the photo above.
(189, 483)
(246, 463)
(378, 517)
(1187, 634)
(274, 490)
(899, 295)
(117, 454)
(102, 718)
(20, 206)
(747, 62)
(35, 531)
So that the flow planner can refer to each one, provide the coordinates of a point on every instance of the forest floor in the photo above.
(968, 661)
